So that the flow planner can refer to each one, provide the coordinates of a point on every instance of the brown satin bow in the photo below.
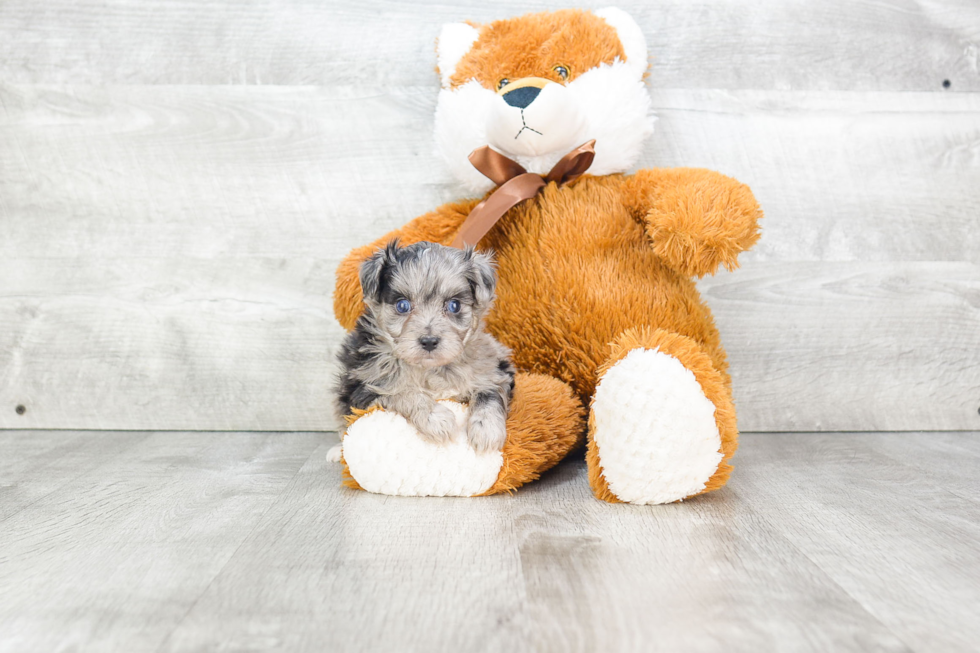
(514, 185)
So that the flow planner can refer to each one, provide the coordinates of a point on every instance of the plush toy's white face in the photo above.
(535, 87)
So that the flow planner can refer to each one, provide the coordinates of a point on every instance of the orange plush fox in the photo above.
(595, 293)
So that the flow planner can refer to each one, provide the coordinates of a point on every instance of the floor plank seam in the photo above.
(258, 522)
(97, 465)
(924, 473)
(776, 532)
(921, 471)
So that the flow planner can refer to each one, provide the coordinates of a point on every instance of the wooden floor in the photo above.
(164, 541)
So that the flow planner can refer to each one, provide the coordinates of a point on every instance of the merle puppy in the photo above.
(421, 339)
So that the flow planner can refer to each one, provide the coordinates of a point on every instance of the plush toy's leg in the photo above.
(382, 453)
(662, 424)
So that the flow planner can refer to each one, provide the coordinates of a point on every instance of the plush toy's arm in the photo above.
(439, 226)
(696, 219)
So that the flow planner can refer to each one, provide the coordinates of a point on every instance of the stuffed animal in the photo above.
(595, 291)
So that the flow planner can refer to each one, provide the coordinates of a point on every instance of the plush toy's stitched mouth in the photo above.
(524, 126)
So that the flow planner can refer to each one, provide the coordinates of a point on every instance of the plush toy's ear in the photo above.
(482, 277)
(372, 272)
(455, 40)
(630, 35)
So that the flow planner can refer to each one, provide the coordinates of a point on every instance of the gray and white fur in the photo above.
(421, 339)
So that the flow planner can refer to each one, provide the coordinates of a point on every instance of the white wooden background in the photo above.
(178, 181)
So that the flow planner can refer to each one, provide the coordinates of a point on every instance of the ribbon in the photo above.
(514, 185)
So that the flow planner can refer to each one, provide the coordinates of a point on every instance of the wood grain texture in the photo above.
(852, 493)
(113, 559)
(815, 346)
(832, 45)
(840, 176)
(247, 343)
(32, 467)
(178, 182)
(168, 253)
(243, 343)
(205, 171)
(177, 542)
(202, 172)
(548, 569)
(957, 454)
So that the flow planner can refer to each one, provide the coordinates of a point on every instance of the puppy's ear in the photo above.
(482, 276)
(374, 271)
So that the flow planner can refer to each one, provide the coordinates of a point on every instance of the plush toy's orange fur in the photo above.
(525, 47)
(577, 265)
(604, 260)
(593, 269)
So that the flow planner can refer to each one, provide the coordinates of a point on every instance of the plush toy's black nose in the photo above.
(521, 97)
(429, 342)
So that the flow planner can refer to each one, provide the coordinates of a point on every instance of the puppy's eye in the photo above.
(403, 306)
(453, 306)
(561, 71)
(502, 83)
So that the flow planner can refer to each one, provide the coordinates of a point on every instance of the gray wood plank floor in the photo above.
(183, 541)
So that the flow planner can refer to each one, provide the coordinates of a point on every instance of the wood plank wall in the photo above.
(178, 181)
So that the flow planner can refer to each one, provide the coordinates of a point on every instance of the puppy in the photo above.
(421, 339)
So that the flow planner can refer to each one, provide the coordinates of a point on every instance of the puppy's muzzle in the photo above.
(429, 343)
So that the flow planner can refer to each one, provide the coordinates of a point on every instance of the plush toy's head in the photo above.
(535, 87)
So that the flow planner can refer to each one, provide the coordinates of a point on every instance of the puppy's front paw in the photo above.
(335, 453)
(486, 432)
(438, 426)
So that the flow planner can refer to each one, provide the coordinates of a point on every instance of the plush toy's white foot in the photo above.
(654, 429)
(385, 454)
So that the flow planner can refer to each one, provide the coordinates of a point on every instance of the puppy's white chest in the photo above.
(442, 385)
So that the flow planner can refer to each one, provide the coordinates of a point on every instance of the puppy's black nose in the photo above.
(521, 97)
(429, 342)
